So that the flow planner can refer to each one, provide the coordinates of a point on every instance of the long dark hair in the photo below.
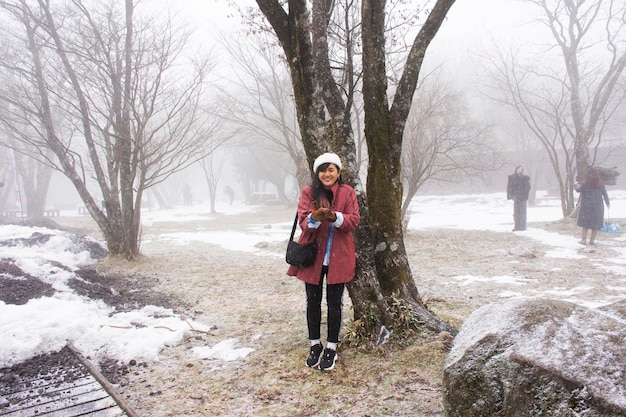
(318, 188)
(593, 178)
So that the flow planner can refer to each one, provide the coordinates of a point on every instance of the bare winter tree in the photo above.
(33, 176)
(569, 107)
(20, 123)
(324, 116)
(7, 182)
(258, 165)
(212, 170)
(441, 141)
(259, 101)
(117, 102)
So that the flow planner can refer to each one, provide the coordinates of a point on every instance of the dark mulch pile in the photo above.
(62, 366)
(17, 287)
(124, 292)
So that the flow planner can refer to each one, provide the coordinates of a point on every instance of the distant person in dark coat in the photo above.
(230, 193)
(591, 210)
(517, 190)
(187, 195)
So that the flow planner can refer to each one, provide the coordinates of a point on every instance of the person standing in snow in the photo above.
(591, 211)
(328, 211)
(230, 193)
(187, 195)
(517, 190)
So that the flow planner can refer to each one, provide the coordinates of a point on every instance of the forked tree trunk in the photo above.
(324, 118)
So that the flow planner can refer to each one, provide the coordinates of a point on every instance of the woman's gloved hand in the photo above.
(322, 213)
(318, 214)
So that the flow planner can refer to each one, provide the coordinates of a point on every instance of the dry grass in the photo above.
(255, 303)
(249, 297)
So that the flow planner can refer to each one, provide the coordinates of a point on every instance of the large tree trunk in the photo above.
(131, 201)
(36, 191)
(293, 31)
(34, 177)
(382, 266)
(384, 130)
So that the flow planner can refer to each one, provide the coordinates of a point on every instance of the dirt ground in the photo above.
(247, 297)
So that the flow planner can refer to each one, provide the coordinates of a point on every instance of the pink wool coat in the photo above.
(342, 260)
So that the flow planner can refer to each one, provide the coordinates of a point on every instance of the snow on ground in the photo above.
(493, 212)
(48, 323)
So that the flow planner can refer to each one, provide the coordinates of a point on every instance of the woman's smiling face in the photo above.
(328, 177)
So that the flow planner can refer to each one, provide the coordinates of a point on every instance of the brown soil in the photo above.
(248, 297)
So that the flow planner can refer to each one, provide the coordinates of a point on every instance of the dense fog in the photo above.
(249, 161)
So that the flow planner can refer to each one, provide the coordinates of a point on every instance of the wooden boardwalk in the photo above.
(62, 384)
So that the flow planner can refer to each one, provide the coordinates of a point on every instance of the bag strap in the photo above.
(293, 229)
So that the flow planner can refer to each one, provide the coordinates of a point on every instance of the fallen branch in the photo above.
(196, 330)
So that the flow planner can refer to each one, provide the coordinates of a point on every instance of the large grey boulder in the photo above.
(537, 358)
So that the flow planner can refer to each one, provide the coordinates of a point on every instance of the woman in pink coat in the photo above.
(329, 212)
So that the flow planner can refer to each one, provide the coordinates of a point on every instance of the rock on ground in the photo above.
(537, 358)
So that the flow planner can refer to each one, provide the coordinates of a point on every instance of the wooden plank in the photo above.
(93, 408)
(67, 406)
(105, 383)
(70, 386)
(40, 386)
(24, 399)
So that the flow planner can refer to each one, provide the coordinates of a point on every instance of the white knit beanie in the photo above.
(327, 158)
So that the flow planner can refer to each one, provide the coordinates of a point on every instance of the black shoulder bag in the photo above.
(300, 254)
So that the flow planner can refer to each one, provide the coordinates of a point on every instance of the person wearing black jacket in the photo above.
(517, 190)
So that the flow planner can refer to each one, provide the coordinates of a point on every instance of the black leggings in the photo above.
(334, 300)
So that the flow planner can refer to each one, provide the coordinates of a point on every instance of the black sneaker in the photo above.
(314, 356)
(328, 359)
